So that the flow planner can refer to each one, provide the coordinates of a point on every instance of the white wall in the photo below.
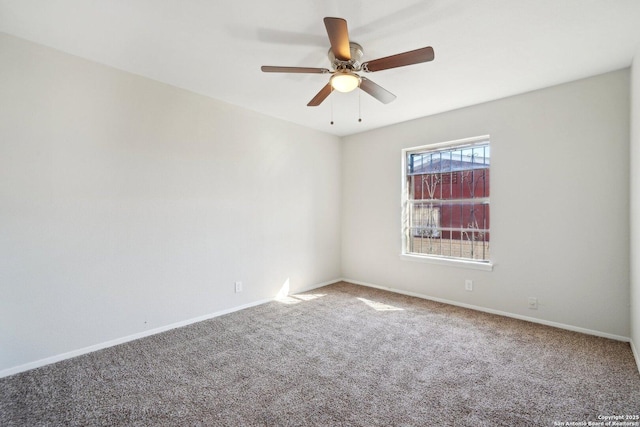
(559, 206)
(127, 204)
(635, 207)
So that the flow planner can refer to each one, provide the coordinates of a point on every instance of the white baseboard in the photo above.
(636, 355)
(498, 312)
(122, 340)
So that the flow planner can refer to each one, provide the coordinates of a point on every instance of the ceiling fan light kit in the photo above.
(344, 81)
(345, 58)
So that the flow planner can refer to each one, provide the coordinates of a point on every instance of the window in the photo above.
(446, 200)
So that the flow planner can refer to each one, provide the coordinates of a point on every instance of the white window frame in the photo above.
(486, 265)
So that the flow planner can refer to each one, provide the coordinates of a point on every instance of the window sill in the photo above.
(474, 265)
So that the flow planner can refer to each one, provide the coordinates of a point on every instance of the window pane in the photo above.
(448, 202)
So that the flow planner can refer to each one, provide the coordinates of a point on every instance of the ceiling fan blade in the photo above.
(339, 38)
(400, 60)
(320, 96)
(274, 69)
(378, 92)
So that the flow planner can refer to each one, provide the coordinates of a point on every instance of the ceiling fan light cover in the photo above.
(345, 82)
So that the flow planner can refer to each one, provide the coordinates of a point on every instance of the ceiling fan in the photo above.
(345, 57)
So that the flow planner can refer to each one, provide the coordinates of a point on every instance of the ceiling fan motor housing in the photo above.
(352, 64)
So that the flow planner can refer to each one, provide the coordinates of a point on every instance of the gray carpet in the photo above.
(341, 355)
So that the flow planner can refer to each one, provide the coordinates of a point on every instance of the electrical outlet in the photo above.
(238, 287)
(533, 303)
(468, 285)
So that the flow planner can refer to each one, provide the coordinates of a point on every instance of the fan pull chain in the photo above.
(359, 107)
(331, 104)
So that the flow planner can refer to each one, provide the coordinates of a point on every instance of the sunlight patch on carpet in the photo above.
(308, 297)
(284, 297)
(295, 299)
(380, 306)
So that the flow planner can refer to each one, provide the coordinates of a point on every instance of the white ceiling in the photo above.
(484, 49)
